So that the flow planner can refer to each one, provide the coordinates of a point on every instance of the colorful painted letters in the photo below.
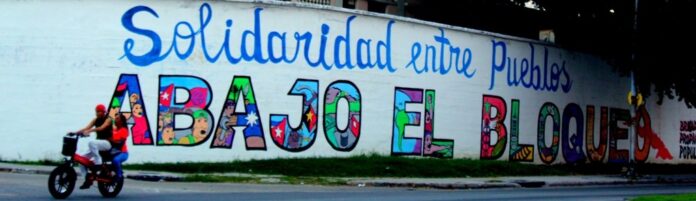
(493, 122)
(301, 137)
(548, 154)
(285, 136)
(402, 145)
(572, 142)
(342, 139)
(196, 107)
(181, 96)
(140, 129)
(571, 139)
(250, 120)
(518, 152)
(596, 153)
(426, 146)
(616, 133)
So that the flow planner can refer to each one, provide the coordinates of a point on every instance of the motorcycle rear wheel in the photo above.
(110, 189)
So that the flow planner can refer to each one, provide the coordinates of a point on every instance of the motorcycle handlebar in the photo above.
(78, 134)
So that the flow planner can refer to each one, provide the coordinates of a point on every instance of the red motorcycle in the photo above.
(62, 179)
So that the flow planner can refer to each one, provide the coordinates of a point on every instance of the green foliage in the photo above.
(650, 44)
(387, 166)
(217, 178)
(680, 197)
(220, 178)
(303, 170)
(312, 180)
(359, 166)
(655, 47)
(49, 162)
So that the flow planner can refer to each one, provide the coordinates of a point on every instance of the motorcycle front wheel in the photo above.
(61, 181)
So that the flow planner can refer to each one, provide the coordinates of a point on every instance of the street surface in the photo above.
(15, 186)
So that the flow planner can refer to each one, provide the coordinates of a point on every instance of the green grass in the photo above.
(313, 180)
(388, 166)
(220, 178)
(272, 180)
(37, 162)
(382, 166)
(679, 197)
(359, 166)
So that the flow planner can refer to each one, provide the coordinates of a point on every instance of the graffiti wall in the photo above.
(229, 80)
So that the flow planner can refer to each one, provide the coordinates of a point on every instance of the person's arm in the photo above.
(104, 125)
(86, 128)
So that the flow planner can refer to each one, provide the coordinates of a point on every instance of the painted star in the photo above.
(309, 116)
(165, 96)
(278, 132)
(251, 119)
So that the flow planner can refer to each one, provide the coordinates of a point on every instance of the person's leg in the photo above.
(83, 170)
(94, 152)
(95, 147)
(89, 155)
(88, 182)
(117, 161)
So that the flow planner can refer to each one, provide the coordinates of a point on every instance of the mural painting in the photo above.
(493, 122)
(129, 86)
(301, 137)
(687, 140)
(241, 91)
(596, 153)
(369, 83)
(342, 139)
(195, 107)
(518, 152)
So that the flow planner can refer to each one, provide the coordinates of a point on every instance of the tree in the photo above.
(658, 50)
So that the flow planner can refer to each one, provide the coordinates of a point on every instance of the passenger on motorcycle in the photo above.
(110, 133)
(118, 141)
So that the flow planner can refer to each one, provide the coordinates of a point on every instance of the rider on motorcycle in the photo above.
(109, 132)
(102, 124)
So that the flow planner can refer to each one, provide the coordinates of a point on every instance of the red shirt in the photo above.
(120, 135)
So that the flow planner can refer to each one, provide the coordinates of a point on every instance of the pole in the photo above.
(401, 4)
(631, 173)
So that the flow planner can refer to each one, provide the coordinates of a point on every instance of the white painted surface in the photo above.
(60, 58)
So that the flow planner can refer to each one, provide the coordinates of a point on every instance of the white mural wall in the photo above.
(231, 80)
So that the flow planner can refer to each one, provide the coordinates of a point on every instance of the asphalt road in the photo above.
(33, 187)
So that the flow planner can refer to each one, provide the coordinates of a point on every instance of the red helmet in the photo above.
(100, 108)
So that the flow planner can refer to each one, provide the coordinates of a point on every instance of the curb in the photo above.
(430, 183)
(649, 180)
(691, 179)
(134, 176)
(436, 185)
(24, 171)
(154, 177)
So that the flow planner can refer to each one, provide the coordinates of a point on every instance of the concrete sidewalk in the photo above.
(523, 181)
(440, 183)
(45, 169)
